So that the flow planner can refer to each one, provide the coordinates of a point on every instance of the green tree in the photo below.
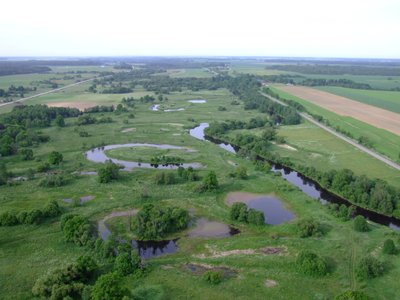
(127, 263)
(108, 287)
(389, 247)
(255, 217)
(309, 227)
(55, 158)
(369, 267)
(311, 264)
(27, 154)
(60, 121)
(238, 210)
(241, 172)
(210, 182)
(108, 173)
(360, 224)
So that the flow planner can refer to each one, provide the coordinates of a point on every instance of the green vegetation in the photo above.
(389, 247)
(240, 212)
(360, 224)
(46, 253)
(213, 277)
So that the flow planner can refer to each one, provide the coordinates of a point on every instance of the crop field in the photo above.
(345, 107)
(385, 142)
(261, 258)
(384, 99)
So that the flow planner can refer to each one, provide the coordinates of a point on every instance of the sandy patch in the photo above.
(176, 134)
(128, 130)
(175, 124)
(245, 197)
(78, 105)
(270, 283)
(288, 147)
(343, 106)
(232, 163)
(261, 251)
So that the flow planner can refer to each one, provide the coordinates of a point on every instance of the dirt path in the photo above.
(369, 114)
(341, 136)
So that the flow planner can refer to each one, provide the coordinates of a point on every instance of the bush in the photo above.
(309, 227)
(239, 212)
(108, 286)
(164, 178)
(352, 295)
(210, 182)
(360, 224)
(52, 209)
(53, 180)
(8, 219)
(148, 292)
(55, 158)
(369, 267)
(255, 217)
(311, 264)
(108, 173)
(27, 154)
(241, 172)
(389, 247)
(43, 167)
(213, 277)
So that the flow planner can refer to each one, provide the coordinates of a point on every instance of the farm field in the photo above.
(387, 100)
(345, 107)
(383, 141)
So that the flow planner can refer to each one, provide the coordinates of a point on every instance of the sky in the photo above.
(299, 28)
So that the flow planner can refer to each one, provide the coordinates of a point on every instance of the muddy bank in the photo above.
(207, 228)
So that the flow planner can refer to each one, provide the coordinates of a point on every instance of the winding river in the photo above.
(307, 185)
(98, 155)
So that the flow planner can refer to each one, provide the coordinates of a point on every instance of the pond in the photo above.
(98, 155)
(310, 187)
(155, 107)
(207, 228)
(149, 249)
(174, 109)
(274, 211)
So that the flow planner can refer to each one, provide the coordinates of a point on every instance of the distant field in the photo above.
(254, 68)
(383, 141)
(199, 73)
(346, 107)
(384, 99)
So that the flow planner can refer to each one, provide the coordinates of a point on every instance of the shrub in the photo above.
(148, 292)
(389, 247)
(164, 178)
(52, 209)
(27, 154)
(53, 180)
(210, 182)
(311, 264)
(213, 277)
(309, 227)
(55, 158)
(108, 173)
(255, 217)
(369, 267)
(352, 295)
(241, 172)
(8, 219)
(239, 212)
(360, 224)
(43, 167)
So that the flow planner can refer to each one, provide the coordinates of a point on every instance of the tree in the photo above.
(389, 247)
(239, 212)
(127, 263)
(108, 173)
(360, 224)
(210, 182)
(309, 227)
(255, 217)
(60, 121)
(241, 172)
(311, 264)
(55, 158)
(369, 267)
(108, 287)
(27, 154)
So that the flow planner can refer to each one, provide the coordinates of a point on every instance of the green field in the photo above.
(30, 251)
(383, 141)
(383, 99)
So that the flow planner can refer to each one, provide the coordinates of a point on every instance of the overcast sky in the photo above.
(312, 28)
